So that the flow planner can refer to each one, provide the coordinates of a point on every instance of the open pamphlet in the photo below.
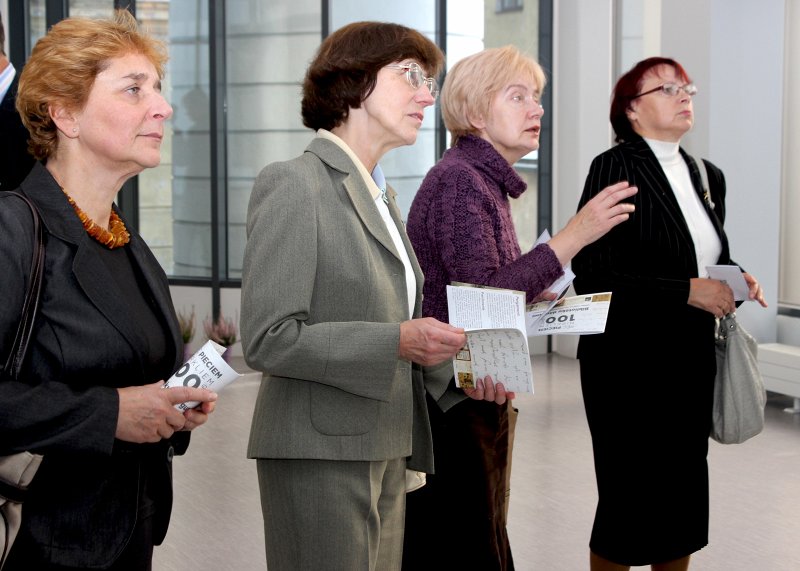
(498, 324)
(576, 315)
(497, 344)
(206, 369)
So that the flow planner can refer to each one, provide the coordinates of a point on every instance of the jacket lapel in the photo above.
(395, 213)
(697, 182)
(158, 285)
(659, 188)
(356, 190)
(89, 271)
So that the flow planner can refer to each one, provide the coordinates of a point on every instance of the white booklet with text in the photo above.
(497, 344)
(206, 369)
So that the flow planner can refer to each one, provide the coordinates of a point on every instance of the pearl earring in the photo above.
(74, 129)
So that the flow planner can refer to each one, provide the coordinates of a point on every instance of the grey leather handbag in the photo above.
(739, 394)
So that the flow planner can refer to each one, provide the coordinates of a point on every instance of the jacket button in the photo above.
(170, 453)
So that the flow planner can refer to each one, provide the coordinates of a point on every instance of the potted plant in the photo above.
(186, 325)
(222, 331)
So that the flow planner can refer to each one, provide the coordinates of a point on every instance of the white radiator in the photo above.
(780, 368)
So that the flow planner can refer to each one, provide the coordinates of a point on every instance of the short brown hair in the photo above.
(345, 70)
(64, 64)
(473, 82)
(628, 86)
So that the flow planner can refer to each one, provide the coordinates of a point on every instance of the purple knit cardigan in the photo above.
(461, 229)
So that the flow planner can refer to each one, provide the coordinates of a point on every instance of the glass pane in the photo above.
(269, 45)
(404, 167)
(38, 23)
(639, 34)
(174, 198)
(91, 8)
(188, 166)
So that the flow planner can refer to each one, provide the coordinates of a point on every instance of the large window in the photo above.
(234, 78)
(514, 25)
(268, 46)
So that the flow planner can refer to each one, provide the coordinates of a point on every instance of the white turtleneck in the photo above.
(707, 245)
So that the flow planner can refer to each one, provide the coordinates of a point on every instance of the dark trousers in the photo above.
(458, 519)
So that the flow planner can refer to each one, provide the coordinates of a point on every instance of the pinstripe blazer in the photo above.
(323, 295)
(647, 262)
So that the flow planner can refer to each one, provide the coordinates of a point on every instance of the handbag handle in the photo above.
(31, 304)
(725, 325)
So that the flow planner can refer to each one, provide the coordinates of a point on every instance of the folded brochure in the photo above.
(206, 369)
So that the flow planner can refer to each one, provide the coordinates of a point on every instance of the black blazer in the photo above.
(15, 161)
(83, 501)
(648, 260)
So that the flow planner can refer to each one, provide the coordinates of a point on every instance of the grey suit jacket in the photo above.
(323, 294)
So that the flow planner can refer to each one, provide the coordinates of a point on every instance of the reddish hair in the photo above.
(64, 64)
(629, 86)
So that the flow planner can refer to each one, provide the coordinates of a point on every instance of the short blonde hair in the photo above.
(473, 82)
(64, 64)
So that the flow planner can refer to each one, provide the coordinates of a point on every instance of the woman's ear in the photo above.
(630, 113)
(478, 122)
(65, 121)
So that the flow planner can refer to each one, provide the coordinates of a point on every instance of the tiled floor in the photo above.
(755, 488)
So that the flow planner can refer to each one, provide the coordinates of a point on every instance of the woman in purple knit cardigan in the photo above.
(461, 229)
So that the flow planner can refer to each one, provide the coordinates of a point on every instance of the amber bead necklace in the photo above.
(115, 237)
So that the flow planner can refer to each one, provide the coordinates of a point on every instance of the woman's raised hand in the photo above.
(594, 220)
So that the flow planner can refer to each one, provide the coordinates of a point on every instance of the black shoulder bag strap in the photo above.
(31, 304)
(18, 469)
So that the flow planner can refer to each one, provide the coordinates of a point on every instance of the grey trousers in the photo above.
(331, 515)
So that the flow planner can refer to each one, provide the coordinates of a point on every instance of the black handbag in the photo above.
(17, 470)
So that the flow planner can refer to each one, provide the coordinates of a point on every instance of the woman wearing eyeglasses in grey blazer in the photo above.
(650, 413)
(331, 296)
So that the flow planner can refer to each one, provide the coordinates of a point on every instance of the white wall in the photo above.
(583, 56)
(745, 139)
(790, 279)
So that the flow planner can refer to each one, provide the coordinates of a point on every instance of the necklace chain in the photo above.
(116, 236)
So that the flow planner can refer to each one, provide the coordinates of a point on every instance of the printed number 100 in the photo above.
(191, 380)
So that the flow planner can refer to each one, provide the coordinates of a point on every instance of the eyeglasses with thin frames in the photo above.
(415, 77)
(670, 90)
(531, 99)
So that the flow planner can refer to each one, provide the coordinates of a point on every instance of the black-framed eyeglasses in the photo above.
(671, 90)
(415, 77)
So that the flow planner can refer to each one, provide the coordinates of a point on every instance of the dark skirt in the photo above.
(458, 519)
(649, 426)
